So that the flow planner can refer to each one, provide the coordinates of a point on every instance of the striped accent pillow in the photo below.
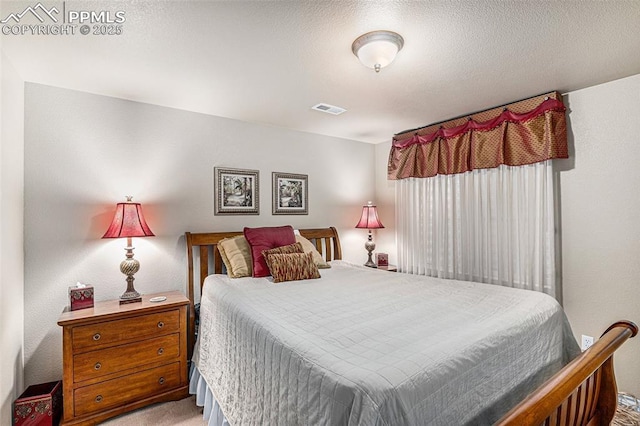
(292, 267)
(291, 248)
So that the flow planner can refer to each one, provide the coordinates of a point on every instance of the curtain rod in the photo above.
(473, 113)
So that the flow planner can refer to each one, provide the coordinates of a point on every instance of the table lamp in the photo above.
(369, 220)
(129, 222)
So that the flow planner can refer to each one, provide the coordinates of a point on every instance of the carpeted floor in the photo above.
(175, 413)
(186, 413)
(626, 417)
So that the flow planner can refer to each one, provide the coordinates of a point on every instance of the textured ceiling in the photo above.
(269, 62)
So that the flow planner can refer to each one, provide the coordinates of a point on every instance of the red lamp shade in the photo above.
(369, 218)
(128, 221)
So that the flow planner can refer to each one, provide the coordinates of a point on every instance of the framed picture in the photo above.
(382, 259)
(290, 194)
(237, 191)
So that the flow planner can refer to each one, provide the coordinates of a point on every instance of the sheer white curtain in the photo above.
(489, 225)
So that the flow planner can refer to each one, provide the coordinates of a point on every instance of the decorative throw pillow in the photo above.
(291, 248)
(261, 239)
(292, 267)
(236, 256)
(308, 247)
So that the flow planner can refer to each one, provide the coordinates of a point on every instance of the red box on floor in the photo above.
(39, 405)
(80, 297)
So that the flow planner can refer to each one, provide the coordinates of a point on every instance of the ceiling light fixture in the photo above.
(377, 49)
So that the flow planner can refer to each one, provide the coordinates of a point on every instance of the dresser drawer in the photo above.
(92, 335)
(101, 396)
(89, 365)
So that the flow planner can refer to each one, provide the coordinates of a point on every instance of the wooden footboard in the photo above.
(584, 392)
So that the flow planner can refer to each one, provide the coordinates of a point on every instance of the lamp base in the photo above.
(130, 266)
(131, 295)
(370, 246)
(370, 264)
(134, 300)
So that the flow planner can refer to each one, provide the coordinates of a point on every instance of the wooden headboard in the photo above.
(208, 260)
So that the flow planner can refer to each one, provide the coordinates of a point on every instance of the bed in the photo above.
(366, 347)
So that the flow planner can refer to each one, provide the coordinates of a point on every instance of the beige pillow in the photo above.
(308, 247)
(236, 255)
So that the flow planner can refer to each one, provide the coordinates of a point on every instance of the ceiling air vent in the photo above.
(329, 109)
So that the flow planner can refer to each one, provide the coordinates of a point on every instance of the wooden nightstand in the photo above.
(118, 358)
(390, 268)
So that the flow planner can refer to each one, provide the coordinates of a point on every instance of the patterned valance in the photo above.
(524, 132)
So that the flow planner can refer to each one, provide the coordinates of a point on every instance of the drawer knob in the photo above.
(98, 366)
(99, 398)
(96, 337)
(160, 324)
(161, 380)
(160, 351)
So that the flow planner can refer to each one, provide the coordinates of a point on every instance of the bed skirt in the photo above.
(212, 413)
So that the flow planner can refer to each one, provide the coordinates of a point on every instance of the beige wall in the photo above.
(600, 225)
(84, 153)
(11, 238)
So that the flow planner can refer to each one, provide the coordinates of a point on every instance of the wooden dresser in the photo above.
(118, 358)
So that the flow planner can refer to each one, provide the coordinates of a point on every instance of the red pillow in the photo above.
(261, 239)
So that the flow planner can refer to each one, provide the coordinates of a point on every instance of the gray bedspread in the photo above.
(366, 347)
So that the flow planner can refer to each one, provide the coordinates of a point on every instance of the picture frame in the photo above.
(237, 191)
(382, 259)
(290, 193)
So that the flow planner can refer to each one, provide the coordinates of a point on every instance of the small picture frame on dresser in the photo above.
(382, 259)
